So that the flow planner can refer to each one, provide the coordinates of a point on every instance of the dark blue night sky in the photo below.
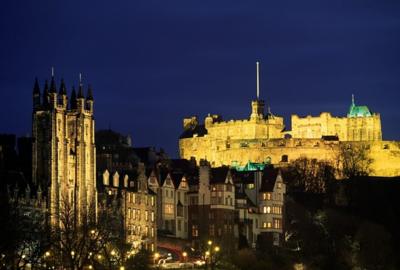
(151, 63)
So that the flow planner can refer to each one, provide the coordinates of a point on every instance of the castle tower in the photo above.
(63, 162)
(257, 106)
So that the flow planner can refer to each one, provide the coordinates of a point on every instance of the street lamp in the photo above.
(211, 253)
(156, 256)
(184, 254)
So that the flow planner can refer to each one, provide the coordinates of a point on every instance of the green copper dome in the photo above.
(358, 111)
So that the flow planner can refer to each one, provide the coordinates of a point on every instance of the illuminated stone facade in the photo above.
(359, 125)
(262, 138)
(136, 205)
(63, 150)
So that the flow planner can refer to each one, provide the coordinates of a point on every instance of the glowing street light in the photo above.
(209, 242)
(47, 254)
(113, 252)
(184, 255)
(72, 253)
(156, 255)
(99, 257)
(216, 249)
(122, 268)
(207, 253)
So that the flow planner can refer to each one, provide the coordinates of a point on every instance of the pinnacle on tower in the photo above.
(89, 95)
(36, 88)
(73, 99)
(46, 94)
(63, 89)
(80, 91)
(53, 88)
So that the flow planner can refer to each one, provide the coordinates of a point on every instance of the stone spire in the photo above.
(46, 94)
(73, 99)
(36, 88)
(80, 91)
(63, 89)
(36, 95)
(89, 95)
(53, 88)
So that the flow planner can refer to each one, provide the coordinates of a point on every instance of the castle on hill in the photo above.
(262, 138)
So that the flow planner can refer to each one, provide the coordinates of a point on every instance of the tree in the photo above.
(310, 175)
(354, 160)
(23, 237)
(141, 261)
(375, 247)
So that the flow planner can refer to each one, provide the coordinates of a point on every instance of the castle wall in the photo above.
(385, 154)
(366, 128)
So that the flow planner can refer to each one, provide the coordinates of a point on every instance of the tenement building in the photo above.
(126, 197)
(260, 201)
(262, 138)
(63, 150)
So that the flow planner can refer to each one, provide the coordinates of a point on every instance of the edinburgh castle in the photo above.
(263, 138)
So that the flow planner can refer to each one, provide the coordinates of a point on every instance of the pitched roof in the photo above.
(268, 179)
(218, 175)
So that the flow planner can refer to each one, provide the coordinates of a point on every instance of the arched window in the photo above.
(284, 158)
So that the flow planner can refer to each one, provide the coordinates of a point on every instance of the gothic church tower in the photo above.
(64, 154)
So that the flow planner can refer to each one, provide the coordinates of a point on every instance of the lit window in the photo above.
(277, 210)
(277, 223)
(183, 184)
(195, 231)
(169, 208)
(266, 209)
(152, 216)
(266, 196)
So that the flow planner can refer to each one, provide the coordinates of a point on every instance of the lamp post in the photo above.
(211, 254)
(156, 256)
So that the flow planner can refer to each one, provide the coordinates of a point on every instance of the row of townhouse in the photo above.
(200, 204)
(127, 194)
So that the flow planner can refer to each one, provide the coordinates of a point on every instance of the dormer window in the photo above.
(266, 196)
